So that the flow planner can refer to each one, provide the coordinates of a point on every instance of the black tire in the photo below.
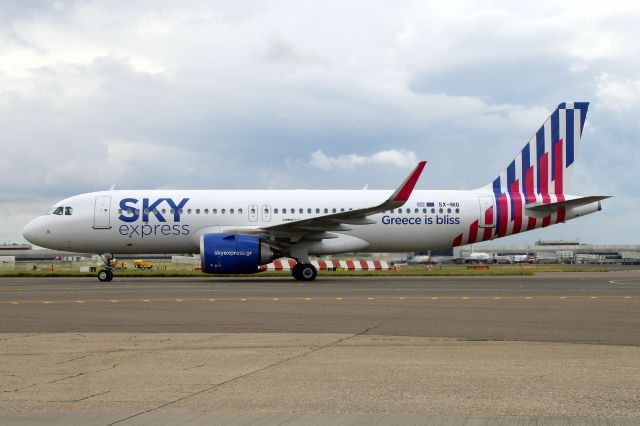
(104, 275)
(295, 271)
(308, 272)
(110, 273)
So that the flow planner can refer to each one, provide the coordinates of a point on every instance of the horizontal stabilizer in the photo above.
(574, 202)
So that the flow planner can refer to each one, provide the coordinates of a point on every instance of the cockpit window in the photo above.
(58, 211)
(68, 211)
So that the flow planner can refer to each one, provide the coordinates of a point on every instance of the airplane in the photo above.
(236, 231)
(479, 257)
(416, 260)
(520, 258)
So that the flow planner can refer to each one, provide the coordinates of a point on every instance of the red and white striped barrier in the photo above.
(323, 265)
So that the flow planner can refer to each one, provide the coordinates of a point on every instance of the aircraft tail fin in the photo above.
(545, 165)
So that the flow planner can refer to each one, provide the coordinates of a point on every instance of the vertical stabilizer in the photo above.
(545, 164)
(542, 170)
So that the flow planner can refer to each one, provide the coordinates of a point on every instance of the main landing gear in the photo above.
(304, 272)
(106, 273)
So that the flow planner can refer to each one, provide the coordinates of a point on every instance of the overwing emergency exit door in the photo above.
(101, 212)
(266, 213)
(253, 212)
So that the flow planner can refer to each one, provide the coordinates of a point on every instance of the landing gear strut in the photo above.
(106, 273)
(304, 272)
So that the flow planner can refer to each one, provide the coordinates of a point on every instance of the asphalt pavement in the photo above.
(549, 349)
(600, 308)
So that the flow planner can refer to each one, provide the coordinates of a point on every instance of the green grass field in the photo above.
(408, 270)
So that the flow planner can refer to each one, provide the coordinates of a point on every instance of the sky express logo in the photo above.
(131, 211)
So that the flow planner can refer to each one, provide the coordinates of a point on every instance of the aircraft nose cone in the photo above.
(31, 232)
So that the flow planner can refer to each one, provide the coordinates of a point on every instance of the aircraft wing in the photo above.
(320, 227)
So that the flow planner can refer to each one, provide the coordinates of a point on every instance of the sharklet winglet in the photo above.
(404, 191)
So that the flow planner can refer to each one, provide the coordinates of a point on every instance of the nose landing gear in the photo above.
(106, 273)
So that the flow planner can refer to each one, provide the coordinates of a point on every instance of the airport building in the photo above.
(568, 252)
(562, 251)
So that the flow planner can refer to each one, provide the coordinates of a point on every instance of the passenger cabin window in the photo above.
(239, 211)
(68, 211)
(206, 211)
(275, 211)
(231, 211)
(223, 211)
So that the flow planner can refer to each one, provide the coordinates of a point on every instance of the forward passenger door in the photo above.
(101, 212)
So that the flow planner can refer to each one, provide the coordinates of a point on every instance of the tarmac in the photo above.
(600, 308)
(549, 349)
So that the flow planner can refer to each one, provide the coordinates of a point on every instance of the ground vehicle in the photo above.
(142, 264)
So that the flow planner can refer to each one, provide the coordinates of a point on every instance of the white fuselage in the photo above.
(161, 221)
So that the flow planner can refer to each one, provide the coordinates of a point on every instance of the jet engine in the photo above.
(233, 253)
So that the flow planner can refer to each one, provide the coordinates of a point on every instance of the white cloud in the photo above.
(618, 93)
(221, 94)
(393, 157)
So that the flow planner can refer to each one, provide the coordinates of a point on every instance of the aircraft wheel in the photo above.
(105, 275)
(308, 272)
(295, 271)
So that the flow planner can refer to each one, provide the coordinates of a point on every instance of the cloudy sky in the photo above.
(313, 94)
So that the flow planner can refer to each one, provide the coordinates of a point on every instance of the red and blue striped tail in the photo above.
(541, 171)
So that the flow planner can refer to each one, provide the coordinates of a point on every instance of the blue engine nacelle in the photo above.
(233, 253)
